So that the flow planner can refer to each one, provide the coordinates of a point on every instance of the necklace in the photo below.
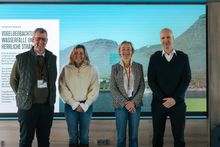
(127, 72)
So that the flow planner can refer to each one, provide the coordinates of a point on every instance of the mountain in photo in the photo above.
(103, 52)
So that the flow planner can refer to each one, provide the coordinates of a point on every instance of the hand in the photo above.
(169, 102)
(79, 109)
(84, 106)
(130, 106)
(75, 105)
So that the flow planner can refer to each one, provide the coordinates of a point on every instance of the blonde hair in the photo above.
(86, 59)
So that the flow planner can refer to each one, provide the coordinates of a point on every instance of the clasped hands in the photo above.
(130, 106)
(169, 102)
(80, 107)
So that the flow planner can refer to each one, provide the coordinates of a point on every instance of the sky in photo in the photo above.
(79, 23)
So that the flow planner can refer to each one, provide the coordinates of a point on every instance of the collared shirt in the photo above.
(128, 79)
(37, 54)
(170, 56)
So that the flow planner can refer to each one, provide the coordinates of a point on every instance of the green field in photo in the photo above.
(196, 104)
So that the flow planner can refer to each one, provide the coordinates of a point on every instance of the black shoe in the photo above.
(83, 145)
(73, 145)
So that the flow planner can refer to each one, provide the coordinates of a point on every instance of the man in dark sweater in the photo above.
(169, 76)
(33, 78)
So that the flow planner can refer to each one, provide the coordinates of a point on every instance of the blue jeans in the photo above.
(78, 124)
(133, 119)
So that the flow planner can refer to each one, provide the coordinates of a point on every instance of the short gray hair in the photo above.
(41, 30)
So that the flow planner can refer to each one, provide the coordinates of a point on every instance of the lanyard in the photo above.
(41, 66)
(128, 74)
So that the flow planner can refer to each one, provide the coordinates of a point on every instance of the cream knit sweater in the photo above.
(78, 84)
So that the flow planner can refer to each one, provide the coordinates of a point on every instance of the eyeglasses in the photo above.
(40, 38)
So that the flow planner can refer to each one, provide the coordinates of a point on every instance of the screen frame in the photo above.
(110, 115)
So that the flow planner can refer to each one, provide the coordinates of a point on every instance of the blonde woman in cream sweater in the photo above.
(79, 88)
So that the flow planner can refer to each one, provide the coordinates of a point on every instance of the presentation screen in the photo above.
(101, 28)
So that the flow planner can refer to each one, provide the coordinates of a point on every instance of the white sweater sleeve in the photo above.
(64, 91)
(93, 89)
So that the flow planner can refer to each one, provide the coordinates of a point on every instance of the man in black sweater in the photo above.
(169, 76)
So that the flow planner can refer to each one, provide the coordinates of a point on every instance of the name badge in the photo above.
(41, 84)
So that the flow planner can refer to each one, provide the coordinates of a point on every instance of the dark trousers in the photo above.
(177, 119)
(37, 119)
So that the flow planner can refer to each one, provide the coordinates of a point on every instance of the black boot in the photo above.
(73, 145)
(84, 145)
